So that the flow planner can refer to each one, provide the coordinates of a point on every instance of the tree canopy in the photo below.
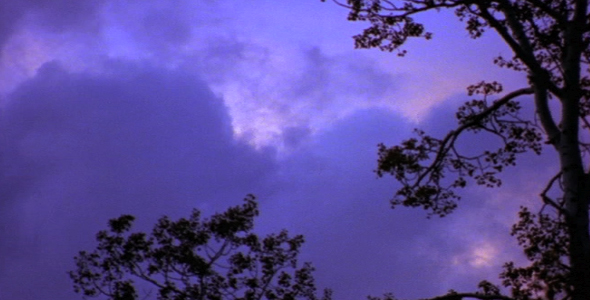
(549, 40)
(193, 258)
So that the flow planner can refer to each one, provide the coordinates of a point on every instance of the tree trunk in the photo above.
(576, 197)
(576, 184)
(579, 249)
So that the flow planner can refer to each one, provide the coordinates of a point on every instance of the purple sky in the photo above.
(155, 107)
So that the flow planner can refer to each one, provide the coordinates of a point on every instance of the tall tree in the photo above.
(549, 40)
(193, 258)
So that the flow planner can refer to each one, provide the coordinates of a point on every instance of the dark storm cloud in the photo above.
(329, 192)
(361, 246)
(78, 149)
(55, 15)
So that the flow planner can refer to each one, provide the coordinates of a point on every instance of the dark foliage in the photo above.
(193, 258)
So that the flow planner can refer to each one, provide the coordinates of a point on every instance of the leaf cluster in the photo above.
(193, 258)
(545, 243)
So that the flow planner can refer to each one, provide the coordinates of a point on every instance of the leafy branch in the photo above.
(210, 259)
(421, 165)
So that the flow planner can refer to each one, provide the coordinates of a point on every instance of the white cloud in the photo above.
(480, 255)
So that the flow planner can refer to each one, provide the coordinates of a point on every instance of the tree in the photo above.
(549, 40)
(210, 259)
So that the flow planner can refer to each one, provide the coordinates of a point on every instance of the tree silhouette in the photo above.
(549, 40)
(210, 259)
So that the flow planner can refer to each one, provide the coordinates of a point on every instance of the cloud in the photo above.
(56, 15)
(269, 88)
(80, 148)
(33, 32)
(268, 83)
(151, 131)
(327, 190)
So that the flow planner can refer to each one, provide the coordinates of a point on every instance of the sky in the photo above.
(155, 107)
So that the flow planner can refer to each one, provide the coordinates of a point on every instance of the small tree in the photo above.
(550, 43)
(210, 259)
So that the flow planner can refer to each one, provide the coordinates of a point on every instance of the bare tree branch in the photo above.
(545, 116)
(547, 200)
